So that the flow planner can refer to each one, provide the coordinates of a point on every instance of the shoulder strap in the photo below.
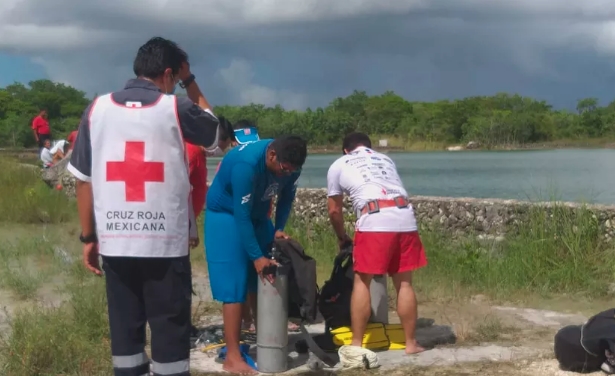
(344, 255)
(315, 349)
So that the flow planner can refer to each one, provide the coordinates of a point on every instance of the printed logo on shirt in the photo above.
(271, 191)
(245, 199)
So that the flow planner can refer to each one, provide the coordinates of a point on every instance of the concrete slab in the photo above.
(544, 317)
(393, 359)
(206, 362)
(550, 367)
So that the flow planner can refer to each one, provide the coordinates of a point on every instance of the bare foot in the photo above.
(248, 327)
(413, 348)
(238, 368)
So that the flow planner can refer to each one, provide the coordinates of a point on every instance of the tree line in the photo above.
(498, 120)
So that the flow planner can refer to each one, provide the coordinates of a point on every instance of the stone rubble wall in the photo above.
(464, 215)
(486, 217)
(58, 175)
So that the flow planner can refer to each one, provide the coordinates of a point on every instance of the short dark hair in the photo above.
(243, 123)
(354, 140)
(226, 129)
(157, 55)
(290, 149)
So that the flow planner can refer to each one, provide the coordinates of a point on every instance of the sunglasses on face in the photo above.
(287, 170)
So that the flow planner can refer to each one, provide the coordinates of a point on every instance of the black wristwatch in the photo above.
(92, 238)
(185, 83)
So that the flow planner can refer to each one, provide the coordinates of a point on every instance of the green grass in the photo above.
(26, 198)
(562, 253)
(25, 266)
(64, 331)
(69, 340)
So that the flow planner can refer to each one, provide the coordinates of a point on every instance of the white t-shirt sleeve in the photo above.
(333, 180)
(46, 156)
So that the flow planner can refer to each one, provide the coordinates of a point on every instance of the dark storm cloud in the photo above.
(308, 52)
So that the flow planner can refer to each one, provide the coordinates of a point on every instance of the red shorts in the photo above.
(388, 252)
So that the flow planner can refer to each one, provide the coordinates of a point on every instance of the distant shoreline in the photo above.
(424, 147)
(554, 145)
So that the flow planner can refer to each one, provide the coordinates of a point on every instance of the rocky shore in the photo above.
(466, 215)
(457, 215)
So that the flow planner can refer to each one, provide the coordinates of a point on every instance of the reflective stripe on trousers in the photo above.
(136, 365)
(179, 368)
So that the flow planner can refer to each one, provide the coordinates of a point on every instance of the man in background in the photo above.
(51, 155)
(40, 128)
(238, 230)
(197, 175)
(241, 133)
(197, 169)
(72, 137)
(386, 239)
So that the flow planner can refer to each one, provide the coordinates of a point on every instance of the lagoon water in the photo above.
(569, 175)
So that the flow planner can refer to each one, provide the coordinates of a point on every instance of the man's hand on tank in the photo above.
(263, 263)
(281, 235)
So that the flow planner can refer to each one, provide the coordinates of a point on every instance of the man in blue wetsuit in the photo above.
(238, 230)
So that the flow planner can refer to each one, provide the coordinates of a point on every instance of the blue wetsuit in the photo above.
(237, 226)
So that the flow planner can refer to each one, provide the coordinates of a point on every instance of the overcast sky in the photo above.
(301, 53)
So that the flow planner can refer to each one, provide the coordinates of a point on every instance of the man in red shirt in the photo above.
(197, 165)
(197, 174)
(71, 139)
(40, 128)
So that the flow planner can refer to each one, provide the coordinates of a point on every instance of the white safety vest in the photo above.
(139, 178)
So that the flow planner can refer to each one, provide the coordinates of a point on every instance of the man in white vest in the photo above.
(386, 239)
(133, 197)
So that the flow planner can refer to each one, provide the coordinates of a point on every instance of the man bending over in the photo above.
(386, 238)
(238, 230)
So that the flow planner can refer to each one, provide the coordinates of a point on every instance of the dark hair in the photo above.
(226, 129)
(243, 123)
(157, 55)
(354, 140)
(290, 149)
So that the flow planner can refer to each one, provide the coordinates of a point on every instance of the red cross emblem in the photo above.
(135, 172)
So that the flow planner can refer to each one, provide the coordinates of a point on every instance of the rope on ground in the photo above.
(357, 357)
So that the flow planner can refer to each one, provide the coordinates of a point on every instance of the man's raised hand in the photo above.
(184, 71)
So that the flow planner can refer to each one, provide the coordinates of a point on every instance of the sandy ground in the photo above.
(492, 340)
